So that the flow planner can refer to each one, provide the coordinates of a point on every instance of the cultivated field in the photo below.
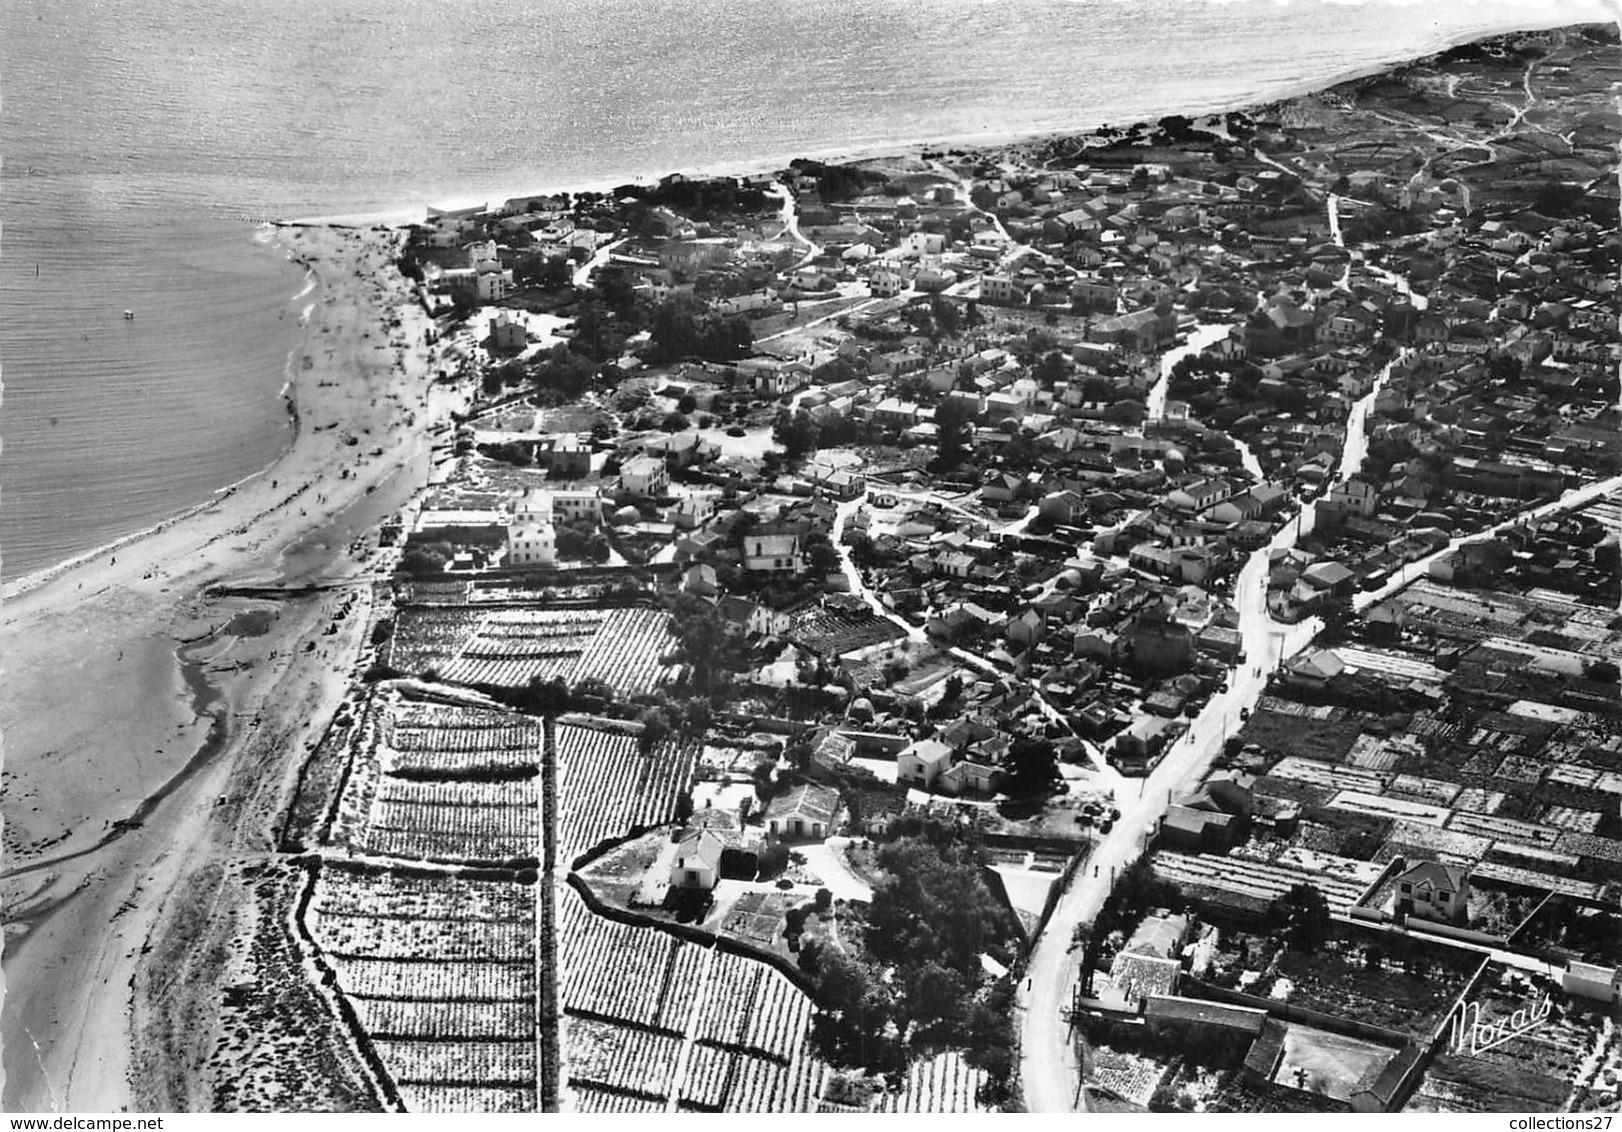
(609, 785)
(445, 783)
(626, 647)
(657, 1023)
(440, 972)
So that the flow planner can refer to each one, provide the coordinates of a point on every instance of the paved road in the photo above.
(1048, 1068)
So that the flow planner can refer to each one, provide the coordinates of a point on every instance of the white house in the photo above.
(532, 508)
(805, 811)
(923, 243)
(698, 861)
(923, 762)
(1433, 891)
(691, 512)
(772, 554)
(531, 544)
(1357, 496)
(1200, 494)
(577, 505)
(645, 475)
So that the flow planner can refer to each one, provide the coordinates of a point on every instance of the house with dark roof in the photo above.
(1202, 1020)
(1387, 1089)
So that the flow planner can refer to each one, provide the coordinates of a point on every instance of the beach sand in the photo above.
(132, 697)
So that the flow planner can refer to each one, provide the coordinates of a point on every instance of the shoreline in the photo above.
(846, 153)
(312, 283)
(128, 687)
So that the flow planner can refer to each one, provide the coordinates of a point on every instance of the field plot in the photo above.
(609, 786)
(456, 821)
(1328, 775)
(1505, 829)
(426, 638)
(440, 971)
(1262, 880)
(1397, 809)
(943, 1083)
(655, 1019)
(1127, 1075)
(626, 647)
(444, 783)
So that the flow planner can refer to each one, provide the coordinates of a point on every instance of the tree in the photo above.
(1302, 915)
(656, 727)
(1032, 766)
(795, 432)
(549, 698)
(702, 640)
(424, 562)
(954, 432)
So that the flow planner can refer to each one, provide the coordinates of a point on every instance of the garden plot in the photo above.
(1567, 818)
(1588, 845)
(466, 1098)
(1129, 1076)
(1372, 753)
(441, 973)
(620, 1057)
(1327, 775)
(651, 1016)
(1530, 878)
(1587, 777)
(610, 786)
(588, 1098)
(1475, 800)
(614, 972)
(626, 648)
(1505, 829)
(1518, 768)
(942, 1083)
(1407, 836)
(454, 821)
(1259, 880)
(424, 739)
(1397, 809)
(1437, 790)
(426, 638)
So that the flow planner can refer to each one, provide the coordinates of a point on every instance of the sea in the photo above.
(144, 143)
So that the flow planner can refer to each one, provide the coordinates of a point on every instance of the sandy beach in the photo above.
(152, 728)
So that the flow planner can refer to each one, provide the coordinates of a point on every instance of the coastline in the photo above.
(911, 146)
(115, 754)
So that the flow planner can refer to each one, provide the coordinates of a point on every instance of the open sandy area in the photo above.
(154, 727)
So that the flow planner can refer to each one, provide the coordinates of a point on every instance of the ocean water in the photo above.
(142, 139)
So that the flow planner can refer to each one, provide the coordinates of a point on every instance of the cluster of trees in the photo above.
(703, 642)
(954, 435)
(426, 560)
(799, 434)
(680, 330)
(582, 540)
(837, 182)
(917, 982)
(707, 199)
